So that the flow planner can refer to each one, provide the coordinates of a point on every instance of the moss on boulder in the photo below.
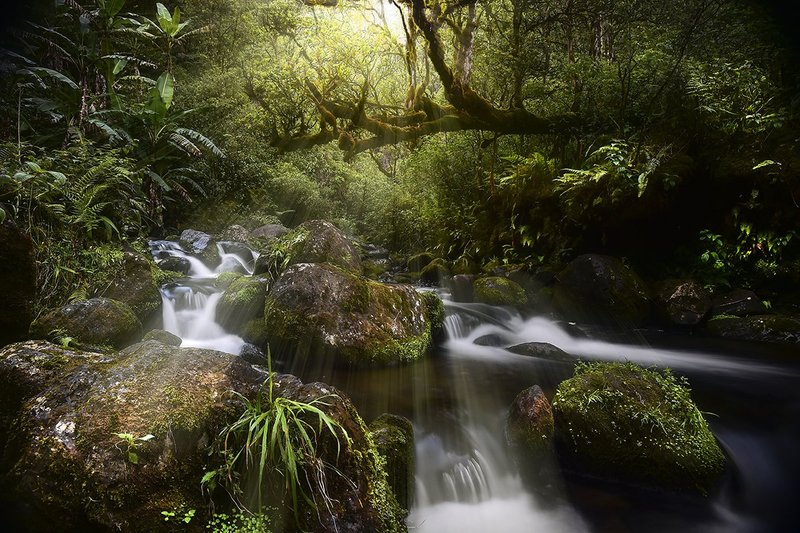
(394, 439)
(495, 290)
(623, 422)
(314, 241)
(135, 285)
(99, 321)
(67, 461)
(779, 329)
(322, 308)
(241, 302)
(164, 337)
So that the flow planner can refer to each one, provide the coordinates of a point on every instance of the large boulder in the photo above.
(241, 302)
(601, 290)
(314, 241)
(529, 424)
(17, 282)
(323, 309)
(108, 442)
(738, 302)
(235, 232)
(496, 290)
(269, 232)
(681, 302)
(194, 240)
(622, 422)
(99, 321)
(462, 287)
(762, 328)
(394, 440)
(135, 285)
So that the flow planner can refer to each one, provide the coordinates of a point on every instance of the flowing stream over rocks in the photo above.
(466, 478)
(189, 308)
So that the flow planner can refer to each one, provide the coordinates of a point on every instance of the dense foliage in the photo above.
(499, 131)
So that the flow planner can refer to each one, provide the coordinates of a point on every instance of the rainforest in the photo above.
(399, 265)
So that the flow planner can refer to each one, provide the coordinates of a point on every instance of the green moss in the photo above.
(379, 492)
(621, 421)
(434, 310)
(495, 290)
(419, 261)
(225, 279)
(162, 277)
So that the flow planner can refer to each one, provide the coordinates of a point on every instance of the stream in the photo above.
(457, 399)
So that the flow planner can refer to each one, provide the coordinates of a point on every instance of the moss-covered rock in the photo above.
(70, 461)
(225, 279)
(495, 290)
(434, 311)
(623, 422)
(135, 285)
(241, 302)
(778, 329)
(17, 282)
(681, 302)
(435, 272)
(324, 309)
(601, 290)
(314, 241)
(164, 337)
(394, 439)
(99, 321)
(529, 424)
(419, 261)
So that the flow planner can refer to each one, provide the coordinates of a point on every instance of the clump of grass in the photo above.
(276, 435)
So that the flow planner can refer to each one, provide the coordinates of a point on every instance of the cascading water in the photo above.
(189, 307)
(468, 482)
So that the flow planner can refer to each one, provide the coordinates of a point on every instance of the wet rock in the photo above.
(175, 264)
(601, 290)
(778, 329)
(70, 464)
(254, 355)
(681, 302)
(394, 439)
(462, 287)
(225, 279)
(466, 266)
(135, 286)
(194, 240)
(314, 241)
(17, 282)
(622, 422)
(269, 232)
(529, 424)
(235, 233)
(495, 290)
(241, 302)
(740, 302)
(494, 340)
(323, 309)
(541, 350)
(164, 337)
(99, 321)
(239, 249)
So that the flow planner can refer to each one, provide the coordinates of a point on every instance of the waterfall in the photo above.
(189, 307)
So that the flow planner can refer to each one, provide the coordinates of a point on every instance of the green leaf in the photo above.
(119, 65)
(112, 7)
(163, 16)
(766, 163)
(166, 89)
(2, 215)
(133, 458)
